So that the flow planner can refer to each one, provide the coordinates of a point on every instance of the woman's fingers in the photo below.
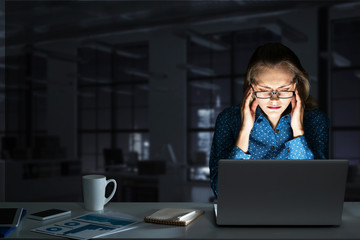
(248, 112)
(248, 98)
(293, 102)
(297, 115)
(245, 104)
(254, 105)
(298, 99)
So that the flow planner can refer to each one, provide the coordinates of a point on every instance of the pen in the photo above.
(181, 218)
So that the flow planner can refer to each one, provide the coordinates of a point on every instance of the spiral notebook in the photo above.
(174, 216)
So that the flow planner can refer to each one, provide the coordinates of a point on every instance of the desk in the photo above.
(203, 228)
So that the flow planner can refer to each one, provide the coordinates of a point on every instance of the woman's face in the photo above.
(274, 80)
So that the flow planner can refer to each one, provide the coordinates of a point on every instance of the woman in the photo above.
(277, 118)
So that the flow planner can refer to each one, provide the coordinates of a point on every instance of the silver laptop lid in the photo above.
(281, 192)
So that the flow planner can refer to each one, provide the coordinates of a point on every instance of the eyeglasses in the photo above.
(268, 94)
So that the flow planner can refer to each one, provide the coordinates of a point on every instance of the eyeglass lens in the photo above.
(281, 94)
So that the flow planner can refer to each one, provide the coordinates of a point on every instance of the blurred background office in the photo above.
(132, 89)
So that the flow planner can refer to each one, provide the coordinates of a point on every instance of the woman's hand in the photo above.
(248, 110)
(297, 115)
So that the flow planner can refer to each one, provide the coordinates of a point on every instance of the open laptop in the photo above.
(280, 192)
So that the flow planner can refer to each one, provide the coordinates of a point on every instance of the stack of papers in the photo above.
(88, 226)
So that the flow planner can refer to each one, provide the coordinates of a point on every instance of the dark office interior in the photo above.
(132, 89)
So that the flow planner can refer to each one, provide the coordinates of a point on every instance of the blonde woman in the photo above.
(277, 118)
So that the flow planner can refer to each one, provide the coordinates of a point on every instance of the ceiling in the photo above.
(41, 21)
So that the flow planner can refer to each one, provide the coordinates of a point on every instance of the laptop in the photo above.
(280, 192)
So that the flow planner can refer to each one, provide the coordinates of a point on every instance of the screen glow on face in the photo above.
(274, 89)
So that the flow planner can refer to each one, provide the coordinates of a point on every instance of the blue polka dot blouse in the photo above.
(266, 143)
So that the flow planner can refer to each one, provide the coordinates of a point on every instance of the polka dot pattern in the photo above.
(266, 143)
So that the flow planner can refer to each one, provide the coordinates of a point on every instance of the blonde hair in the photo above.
(276, 55)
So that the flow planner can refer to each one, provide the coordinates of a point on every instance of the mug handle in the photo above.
(113, 192)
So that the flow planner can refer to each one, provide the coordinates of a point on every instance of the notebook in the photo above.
(174, 216)
(280, 192)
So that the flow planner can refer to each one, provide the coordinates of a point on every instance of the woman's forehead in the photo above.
(264, 68)
(274, 87)
(274, 78)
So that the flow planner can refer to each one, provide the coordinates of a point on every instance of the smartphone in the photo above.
(10, 217)
(49, 214)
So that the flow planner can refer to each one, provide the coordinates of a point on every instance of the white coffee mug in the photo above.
(94, 191)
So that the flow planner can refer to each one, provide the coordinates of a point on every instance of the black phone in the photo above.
(49, 214)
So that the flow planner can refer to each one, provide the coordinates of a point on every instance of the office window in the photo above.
(2, 103)
(15, 91)
(345, 99)
(25, 106)
(215, 81)
(39, 83)
(113, 104)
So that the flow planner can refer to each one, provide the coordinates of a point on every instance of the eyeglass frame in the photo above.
(272, 93)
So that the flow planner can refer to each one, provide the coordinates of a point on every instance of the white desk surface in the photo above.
(203, 228)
